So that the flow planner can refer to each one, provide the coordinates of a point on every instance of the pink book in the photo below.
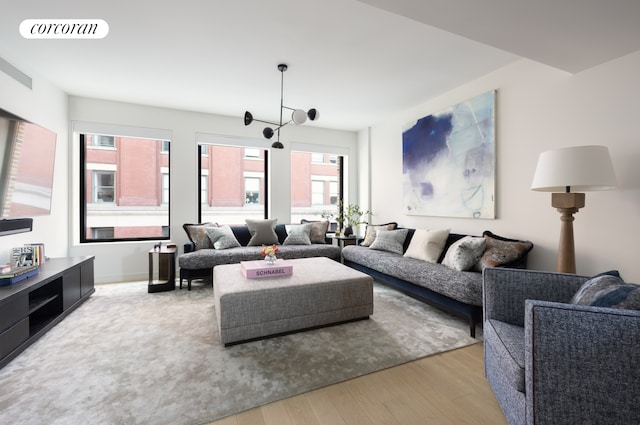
(260, 269)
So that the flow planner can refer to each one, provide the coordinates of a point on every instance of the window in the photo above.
(104, 186)
(100, 140)
(316, 184)
(317, 192)
(125, 189)
(232, 183)
(252, 190)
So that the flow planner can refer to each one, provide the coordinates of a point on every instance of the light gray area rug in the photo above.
(130, 357)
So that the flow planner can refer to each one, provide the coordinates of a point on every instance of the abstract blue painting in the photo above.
(448, 161)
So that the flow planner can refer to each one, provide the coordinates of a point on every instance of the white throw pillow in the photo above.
(427, 245)
(464, 253)
(298, 234)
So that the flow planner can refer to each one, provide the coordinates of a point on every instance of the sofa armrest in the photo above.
(505, 291)
(189, 247)
(581, 364)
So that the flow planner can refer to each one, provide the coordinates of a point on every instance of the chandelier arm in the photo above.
(266, 122)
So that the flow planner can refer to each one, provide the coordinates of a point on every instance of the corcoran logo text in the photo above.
(64, 28)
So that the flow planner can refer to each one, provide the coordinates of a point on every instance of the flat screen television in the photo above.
(27, 152)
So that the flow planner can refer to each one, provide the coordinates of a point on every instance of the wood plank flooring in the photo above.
(444, 389)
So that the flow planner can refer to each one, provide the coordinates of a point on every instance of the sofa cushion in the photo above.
(608, 290)
(500, 251)
(318, 230)
(298, 234)
(507, 344)
(263, 232)
(389, 240)
(222, 237)
(427, 245)
(197, 235)
(370, 233)
(464, 253)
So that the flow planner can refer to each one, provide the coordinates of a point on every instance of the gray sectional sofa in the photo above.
(456, 291)
(200, 256)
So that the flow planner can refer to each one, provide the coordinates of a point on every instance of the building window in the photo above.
(317, 192)
(316, 184)
(252, 190)
(125, 190)
(100, 140)
(232, 183)
(104, 186)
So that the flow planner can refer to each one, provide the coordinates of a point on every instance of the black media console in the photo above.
(31, 307)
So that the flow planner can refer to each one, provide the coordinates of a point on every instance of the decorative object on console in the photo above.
(298, 116)
(448, 161)
(347, 217)
(579, 168)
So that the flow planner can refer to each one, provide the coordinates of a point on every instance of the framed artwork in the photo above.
(448, 161)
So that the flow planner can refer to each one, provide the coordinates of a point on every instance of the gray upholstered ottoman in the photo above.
(320, 292)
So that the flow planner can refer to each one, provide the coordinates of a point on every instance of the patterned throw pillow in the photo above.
(390, 240)
(463, 254)
(318, 230)
(197, 235)
(608, 290)
(222, 237)
(370, 233)
(500, 251)
(427, 245)
(263, 232)
(298, 234)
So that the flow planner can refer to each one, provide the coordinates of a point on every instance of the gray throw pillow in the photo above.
(390, 240)
(608, 290)
(463, 254)
(263, 232)
(298, 234)
(222, 237)
(372, 229)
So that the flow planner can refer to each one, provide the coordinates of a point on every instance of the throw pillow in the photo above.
(427, 245)
(222, 237)
(263, 232)
(298, 234)
(372, 229)
(318, 230)
(197, 235)
(390, 240)
(608, 290)
(500, 251)
(463, 254)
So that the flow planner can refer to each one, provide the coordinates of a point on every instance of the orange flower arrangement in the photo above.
(269, 250)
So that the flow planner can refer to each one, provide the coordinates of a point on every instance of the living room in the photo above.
(538, 107)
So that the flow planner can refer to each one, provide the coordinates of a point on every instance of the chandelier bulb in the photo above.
(267, 132)
(298, 116)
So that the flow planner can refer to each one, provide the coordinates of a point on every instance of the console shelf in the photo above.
(31, 307)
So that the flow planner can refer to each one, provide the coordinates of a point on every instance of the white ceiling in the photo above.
(356, 61)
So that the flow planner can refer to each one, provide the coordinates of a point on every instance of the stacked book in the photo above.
(27, 255)
(12, 274)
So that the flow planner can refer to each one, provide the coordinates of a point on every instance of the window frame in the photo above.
(82, 131)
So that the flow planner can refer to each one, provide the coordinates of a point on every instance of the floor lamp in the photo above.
(567, 172)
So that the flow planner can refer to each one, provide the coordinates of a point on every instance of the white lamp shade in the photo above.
(299, 116)
(581, 168)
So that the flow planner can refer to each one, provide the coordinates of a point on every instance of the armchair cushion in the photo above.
(608, 290)
(508, 341)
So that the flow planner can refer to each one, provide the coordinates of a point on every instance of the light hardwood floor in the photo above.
(447, 388)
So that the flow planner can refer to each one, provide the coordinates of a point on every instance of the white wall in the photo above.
(128, 261)
(540, 108)
(45, 105)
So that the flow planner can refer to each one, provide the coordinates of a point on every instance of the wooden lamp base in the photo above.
(567, 204)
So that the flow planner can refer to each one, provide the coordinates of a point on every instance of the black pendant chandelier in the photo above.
(298, 116)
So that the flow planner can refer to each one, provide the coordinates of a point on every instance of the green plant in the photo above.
(347, 216)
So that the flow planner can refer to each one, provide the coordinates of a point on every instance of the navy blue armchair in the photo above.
(551, 362)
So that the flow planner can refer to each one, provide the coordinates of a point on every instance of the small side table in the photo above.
(347, 240)
(162, 269)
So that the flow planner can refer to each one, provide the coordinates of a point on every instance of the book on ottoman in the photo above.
(259, 269)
